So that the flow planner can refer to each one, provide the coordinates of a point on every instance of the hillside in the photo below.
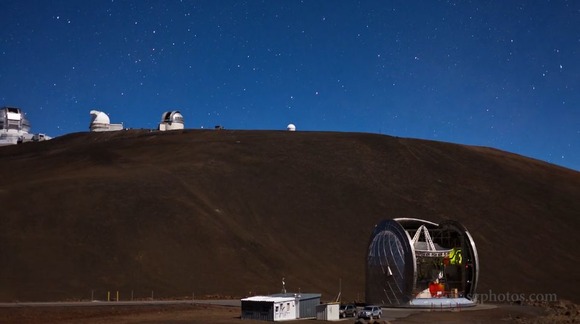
(232, 212)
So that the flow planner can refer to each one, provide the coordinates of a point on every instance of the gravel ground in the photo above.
(560, 312)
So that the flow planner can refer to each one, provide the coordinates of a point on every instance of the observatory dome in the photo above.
(99, 117)
(171, 120)
(291, 127)
(100, 122)
(15, 127)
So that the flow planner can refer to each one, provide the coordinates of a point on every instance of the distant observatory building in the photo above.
(171, 120)
(15, 128)
(291, 127)
(100, 122)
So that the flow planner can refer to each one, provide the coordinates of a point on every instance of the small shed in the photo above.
(328, 312)
(269, 308)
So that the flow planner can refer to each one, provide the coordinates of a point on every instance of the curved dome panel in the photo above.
(469, 256)
(176, 117)
(291, 127)
(390, 268)
(99, 117)
(171, 120)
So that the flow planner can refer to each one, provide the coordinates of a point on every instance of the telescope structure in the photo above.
(15, 127)
(100, 122)
(171, 120)
(418, 263)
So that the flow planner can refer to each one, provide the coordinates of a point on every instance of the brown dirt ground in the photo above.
(562, 312)
(232, 212)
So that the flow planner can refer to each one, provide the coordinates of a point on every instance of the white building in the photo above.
(328, 312)
(281, 307)
(100, 122)
(269, 308)
(15, 128)
(171, 120)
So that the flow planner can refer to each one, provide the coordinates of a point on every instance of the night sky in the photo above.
(504, 74)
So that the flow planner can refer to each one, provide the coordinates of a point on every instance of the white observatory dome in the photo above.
(171, 120)
(99, 117)
(291, 127)
(100, 122)
(15, 127)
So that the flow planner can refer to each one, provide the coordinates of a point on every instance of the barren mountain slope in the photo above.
(232, 212)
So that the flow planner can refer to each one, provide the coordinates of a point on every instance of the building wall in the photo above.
(328, 312)
(258, 310)
(285, 310)
(269, 310)
(308, 307)
(280, 307)
(306, 303)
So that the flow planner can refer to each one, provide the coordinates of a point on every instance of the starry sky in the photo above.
(503, 74)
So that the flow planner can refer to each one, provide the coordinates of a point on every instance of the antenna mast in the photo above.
(283, 286)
